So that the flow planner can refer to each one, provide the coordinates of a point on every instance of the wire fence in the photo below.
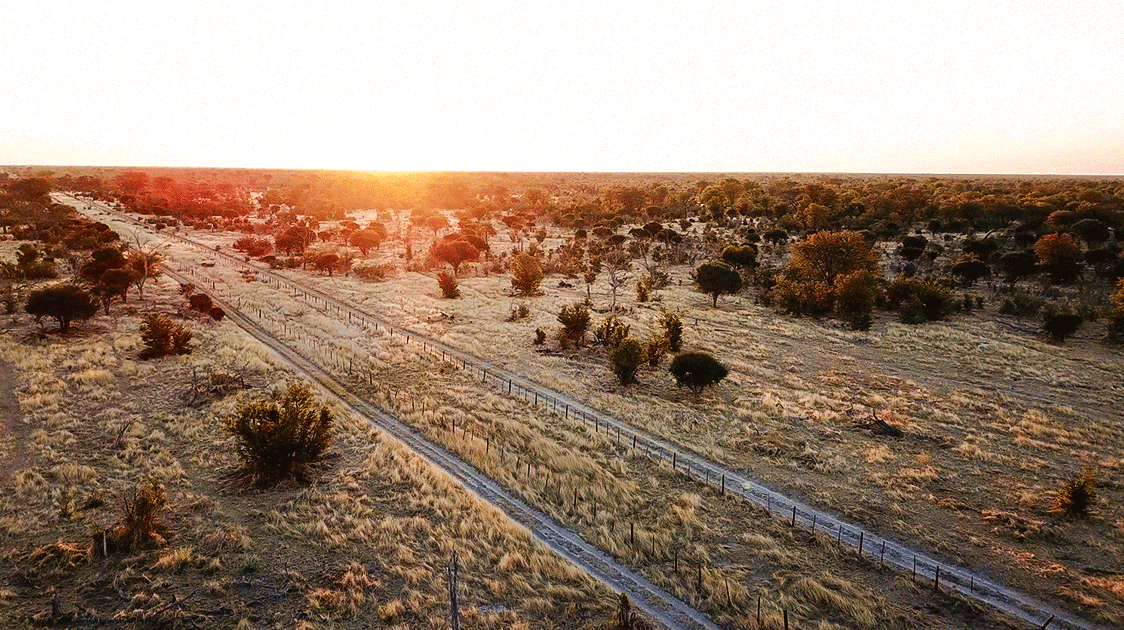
(866, 544)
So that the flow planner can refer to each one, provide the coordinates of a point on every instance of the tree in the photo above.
(145, 264)
(575, 320)
(744, 256)
(114, 284)
(969, 269)
(808, 283)
(716, 278)
(436, 223)
(448, 285)
(102, 260)
(455, 253)
(1060, 255)
(162, 336)
(367, 239)
(696, 370)
(1059, 325)
(617, 266)
(280, 436)
(326, 261)
(526, 275)
(1018, 265)
(62, 302)
(627, 358)
(294, 240)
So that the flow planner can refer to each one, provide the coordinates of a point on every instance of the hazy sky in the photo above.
(900, 86)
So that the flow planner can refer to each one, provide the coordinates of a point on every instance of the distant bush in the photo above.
(656, 349)
(1021, 304)
(162, 337)
(280, 436)
(628, 356)
(200, 302)
(540, 336)
(373, 271)
(575, 321)
(1059, 325)
(919, 300)
(216, 313)
(673, 330)
(611, 332)
(526, 275)
(1076, 496)
(448, 285)
(696, 370)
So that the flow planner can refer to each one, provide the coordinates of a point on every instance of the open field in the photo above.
(970, 413)
(369, 538)
(605, 487)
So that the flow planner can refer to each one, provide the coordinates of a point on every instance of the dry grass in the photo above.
(96, 423)
(788, 412)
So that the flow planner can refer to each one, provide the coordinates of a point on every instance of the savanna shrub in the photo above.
(696, 370)
(575, 322)
(162, 337)
(1021, 304)
(628, 356)
(448, 285)
(1076, 496)
(1058, 325)
(216, 313)
(200, 302)
(919, 300)
(540, 336)
(611, 332)
(673, 330)
(279, 436)
(140, 525)
(657, 348)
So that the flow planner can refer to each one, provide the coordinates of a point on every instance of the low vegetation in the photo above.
(281, 436)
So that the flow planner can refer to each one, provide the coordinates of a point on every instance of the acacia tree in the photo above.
(716, 278)
(62, 302)
(367, 239)
(455, 253)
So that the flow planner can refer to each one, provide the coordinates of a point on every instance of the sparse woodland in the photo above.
(937, 358)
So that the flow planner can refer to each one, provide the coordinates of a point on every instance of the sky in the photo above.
(897, 87)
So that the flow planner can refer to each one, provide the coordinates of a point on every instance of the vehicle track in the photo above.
(658, 604)
(961, 579)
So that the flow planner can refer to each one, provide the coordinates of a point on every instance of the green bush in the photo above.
(1021, 304)
(280, 436)
(628, 356)
(919, 300)
(575, 321)
(611, 332)
(697, 370)
(162, 337)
